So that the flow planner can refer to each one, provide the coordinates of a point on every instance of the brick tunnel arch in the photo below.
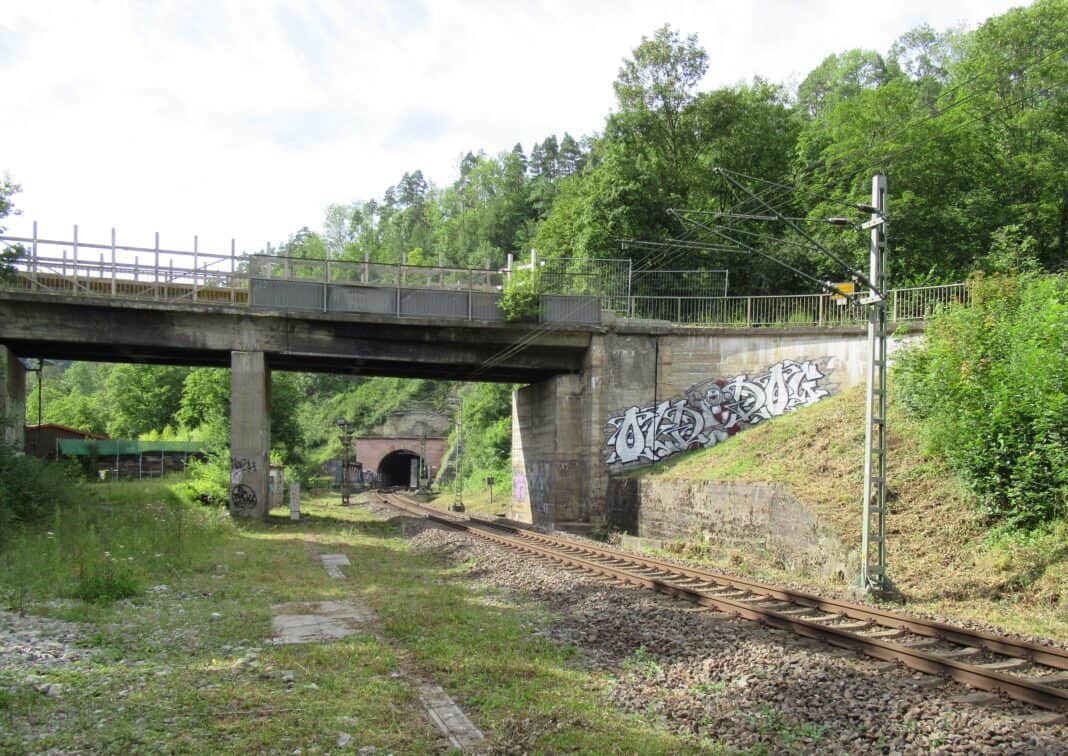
(395, 468)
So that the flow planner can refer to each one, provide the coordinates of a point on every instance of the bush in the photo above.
(991, 383)
(521, 299)
(30, 487)
(208, 481)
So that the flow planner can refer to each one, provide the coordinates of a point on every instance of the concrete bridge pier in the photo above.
(559, 474)
(12, 399)
(250, 434)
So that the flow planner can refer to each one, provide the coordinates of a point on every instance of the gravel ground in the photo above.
(841, 594)
(739, 683)
(31, 646)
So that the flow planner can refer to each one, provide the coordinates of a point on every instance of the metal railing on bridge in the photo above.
(157, 273)
(118, 271)
(820, 310)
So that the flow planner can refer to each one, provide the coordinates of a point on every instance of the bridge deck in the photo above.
(36, 324)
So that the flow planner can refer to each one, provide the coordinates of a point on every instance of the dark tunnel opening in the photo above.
(398, 468)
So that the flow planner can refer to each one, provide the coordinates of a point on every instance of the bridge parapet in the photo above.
(273, 282)
(114, 271)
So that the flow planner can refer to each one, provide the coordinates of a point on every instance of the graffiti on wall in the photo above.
(519, 487)
(710, 412)
(541, 500)
(243, 499)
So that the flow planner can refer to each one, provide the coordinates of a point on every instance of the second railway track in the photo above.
(1026, 671)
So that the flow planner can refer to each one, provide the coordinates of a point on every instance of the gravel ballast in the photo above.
(743, 684)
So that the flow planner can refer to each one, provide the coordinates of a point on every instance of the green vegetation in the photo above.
(521, 299)
(991, 384)
(185, 664)
(30, 488)
(8, 252)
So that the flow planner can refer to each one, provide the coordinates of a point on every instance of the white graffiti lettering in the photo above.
(709, 412)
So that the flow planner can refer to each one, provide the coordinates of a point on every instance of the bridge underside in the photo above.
(79, 329)
(252, 344)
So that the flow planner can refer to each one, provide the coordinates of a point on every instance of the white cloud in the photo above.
(247, 119)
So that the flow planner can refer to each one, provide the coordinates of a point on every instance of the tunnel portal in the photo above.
(399, 468)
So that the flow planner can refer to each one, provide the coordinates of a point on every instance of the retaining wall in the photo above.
(751, 517)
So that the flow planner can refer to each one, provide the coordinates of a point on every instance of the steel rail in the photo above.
(976, 676)
(1049, 656)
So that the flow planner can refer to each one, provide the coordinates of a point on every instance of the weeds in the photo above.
(642, 661)
(106, 582)
(775, 729)
(106, 545)
(714, 688)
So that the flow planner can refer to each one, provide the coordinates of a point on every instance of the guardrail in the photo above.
(170, 275)
(369, 273)
(820, 310)
(115, 271)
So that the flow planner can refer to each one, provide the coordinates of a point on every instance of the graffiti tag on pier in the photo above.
(710, 412)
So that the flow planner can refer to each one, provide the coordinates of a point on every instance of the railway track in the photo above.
(1030, 672)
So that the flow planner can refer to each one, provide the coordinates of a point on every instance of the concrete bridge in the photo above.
(578, 377)
(600, 397)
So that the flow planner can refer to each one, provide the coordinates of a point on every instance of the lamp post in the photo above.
(345, 428)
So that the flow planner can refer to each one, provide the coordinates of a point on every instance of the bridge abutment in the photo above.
(12, 399)
(250, 434)
(631, 403)
(558, 469)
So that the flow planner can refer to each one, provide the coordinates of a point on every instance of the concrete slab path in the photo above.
(326, 621)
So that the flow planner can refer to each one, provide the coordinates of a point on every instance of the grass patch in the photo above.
(183, 665)
(109, 543)
(110, 584)
(476, 500)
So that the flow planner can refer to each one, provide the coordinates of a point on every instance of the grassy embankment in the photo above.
(475, 500)
(188, 668)
(941, 553)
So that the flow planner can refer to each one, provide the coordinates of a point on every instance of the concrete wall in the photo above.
(746, 517)
(556, 430)
(688, 359)
(653, 394)
(547, 468)
(12, 399)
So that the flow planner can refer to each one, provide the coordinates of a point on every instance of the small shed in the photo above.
(43, 440)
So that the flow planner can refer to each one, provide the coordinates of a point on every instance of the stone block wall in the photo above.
(744, 516)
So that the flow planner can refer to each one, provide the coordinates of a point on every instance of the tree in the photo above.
(8, 252)
(143, 398)
(339, 230)
(657, 84)
(970, 129)
(841, 77)
(1012, 90)
(570, 155)
(205, 400)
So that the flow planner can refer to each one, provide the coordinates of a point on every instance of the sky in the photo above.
(245, 120)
